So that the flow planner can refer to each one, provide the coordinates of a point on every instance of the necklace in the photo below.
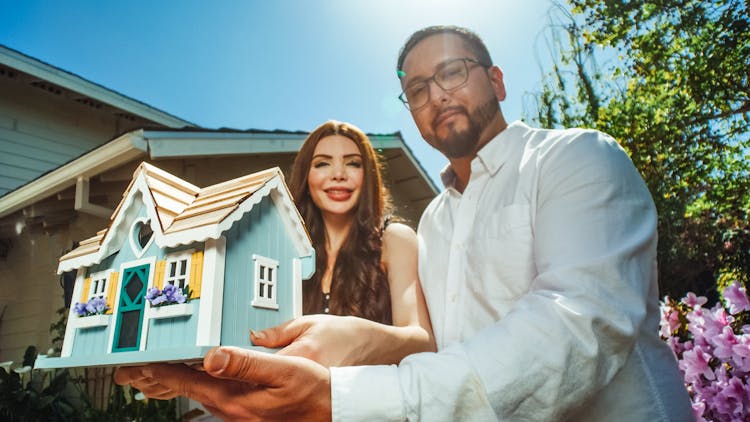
(326, 299)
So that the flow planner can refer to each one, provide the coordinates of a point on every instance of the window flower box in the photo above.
(170, 311)
(98, 320)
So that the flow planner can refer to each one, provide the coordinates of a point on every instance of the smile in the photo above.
(338, 194)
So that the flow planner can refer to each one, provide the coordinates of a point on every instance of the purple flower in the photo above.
(741, 354)
(80, 308)
(169, 291)
(179, 296)
(152, 293)
(694, 363)
(670, 322)
(729, 402)
(699, 408)
(99, 304)
(724, 343)
(169, 295)
(713, 354)
(692, 300)
(736, 297)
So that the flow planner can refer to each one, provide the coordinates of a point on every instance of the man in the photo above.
(537, 263)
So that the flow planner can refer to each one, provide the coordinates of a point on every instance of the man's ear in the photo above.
(496, 78)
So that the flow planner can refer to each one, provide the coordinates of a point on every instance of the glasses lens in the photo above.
(417, 95)
(452, 75)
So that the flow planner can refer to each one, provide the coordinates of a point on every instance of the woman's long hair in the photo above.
(359, 285)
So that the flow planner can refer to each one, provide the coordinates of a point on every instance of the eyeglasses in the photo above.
(450, 75)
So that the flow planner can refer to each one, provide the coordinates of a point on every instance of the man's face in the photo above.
(452, 122)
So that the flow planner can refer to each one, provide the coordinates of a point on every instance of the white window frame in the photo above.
(175, 258)
(97, 289)
(264, 284)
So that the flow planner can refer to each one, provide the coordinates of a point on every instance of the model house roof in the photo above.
(182, 213)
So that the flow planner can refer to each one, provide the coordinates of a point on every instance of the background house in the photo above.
(68, 149)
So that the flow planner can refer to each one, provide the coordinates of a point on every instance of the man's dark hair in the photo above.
(472, 41)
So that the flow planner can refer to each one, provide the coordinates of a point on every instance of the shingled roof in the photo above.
(186, 213)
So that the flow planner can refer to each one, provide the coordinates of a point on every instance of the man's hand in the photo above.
(241, 384)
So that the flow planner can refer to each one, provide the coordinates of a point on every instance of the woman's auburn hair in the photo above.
(359, 285)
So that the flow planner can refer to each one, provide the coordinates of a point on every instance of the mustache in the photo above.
(455, 108)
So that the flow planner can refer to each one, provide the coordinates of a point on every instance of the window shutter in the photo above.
(85, 291)
(159, 274)
(196, 274)
(112, 291)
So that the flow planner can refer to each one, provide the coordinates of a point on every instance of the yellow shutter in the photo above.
(112, 291)
(159, 274)
(196, 274)
(85, 291)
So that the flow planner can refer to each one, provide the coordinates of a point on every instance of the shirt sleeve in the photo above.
(567, 337)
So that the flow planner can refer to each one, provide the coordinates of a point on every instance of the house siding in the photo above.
(91, 341)
(170, 333)
(261, 232)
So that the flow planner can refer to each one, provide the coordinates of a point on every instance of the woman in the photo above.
(366, 270)
(365, 267)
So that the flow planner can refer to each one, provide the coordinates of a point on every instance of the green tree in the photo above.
(676, 94)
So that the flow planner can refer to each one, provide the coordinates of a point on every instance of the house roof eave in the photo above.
(110, 155)
(67, 80)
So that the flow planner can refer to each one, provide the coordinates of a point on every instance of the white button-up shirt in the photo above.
(541, 284)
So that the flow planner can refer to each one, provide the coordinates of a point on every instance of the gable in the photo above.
(179, 213)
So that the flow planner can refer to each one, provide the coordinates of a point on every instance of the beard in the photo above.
(462, 143)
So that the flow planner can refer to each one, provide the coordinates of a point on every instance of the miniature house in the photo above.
(181, 269)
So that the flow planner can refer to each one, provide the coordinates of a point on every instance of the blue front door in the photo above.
(130, 309)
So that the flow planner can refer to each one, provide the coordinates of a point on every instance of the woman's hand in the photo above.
(334, 340)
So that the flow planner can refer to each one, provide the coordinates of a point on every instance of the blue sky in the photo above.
(282, 64)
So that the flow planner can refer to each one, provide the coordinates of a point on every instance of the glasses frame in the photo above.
(465, 60)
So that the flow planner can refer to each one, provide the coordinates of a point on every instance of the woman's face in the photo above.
(335, 176)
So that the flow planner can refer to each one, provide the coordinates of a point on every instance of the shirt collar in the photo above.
(493, 154)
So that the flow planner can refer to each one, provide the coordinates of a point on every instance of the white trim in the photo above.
(292, 219)
(186, 255)
(272, 282)
(169, 311)
(115, 235)
(137, 249)
(67, 347)
(82, 203)
(296, 287)
(212, 293)
(106, 275)
(149, 283)
(98, 320)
